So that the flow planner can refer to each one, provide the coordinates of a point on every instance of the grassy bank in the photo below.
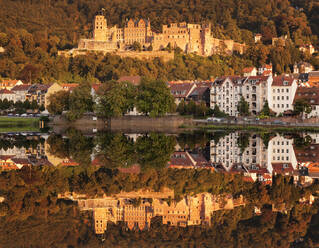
(18, 124)
(258, 128)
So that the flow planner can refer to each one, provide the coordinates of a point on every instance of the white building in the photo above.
(255, 92)
(226, 93)
(281, 95)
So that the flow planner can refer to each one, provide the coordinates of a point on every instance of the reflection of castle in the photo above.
(136, 209)
(137, 213)
(191, 38)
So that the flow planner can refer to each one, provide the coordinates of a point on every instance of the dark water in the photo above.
(197, 189)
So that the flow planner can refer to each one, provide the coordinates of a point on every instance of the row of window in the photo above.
(282, 106)
(282, 90)
(282, 98)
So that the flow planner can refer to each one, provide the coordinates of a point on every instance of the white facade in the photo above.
(226, 93)
(282, 94)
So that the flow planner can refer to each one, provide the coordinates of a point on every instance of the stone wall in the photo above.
(169, 124)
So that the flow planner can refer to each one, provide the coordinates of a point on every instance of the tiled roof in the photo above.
(280, 168)
(282, 81)
(313, 74)
(181, 159)
(22, 87)
(96, 87)
(310, 94)
(69, 86)
(234, 79)
(257, 79)
(5, 91)
(181, 90)
(248, 69)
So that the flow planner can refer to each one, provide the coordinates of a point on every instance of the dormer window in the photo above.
(285, 83)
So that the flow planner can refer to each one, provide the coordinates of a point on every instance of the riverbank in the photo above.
(256, 128)
(129, 124)
(18, 124)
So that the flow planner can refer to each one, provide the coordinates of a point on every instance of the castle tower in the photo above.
(99, 28)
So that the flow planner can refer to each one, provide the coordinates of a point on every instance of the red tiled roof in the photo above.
(96, 87)
(69, 86)
(282, 81)
(181, 159)
(257, 79)
(279, 168)
(5, 91)
(248, 69)
(311, 95)
(181, 90)
(22, 87)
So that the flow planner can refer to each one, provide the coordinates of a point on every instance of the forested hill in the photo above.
(236, 19)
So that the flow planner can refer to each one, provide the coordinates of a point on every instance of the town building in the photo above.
(226, 93)
(21, 92)
(313, 77)
(311, 96)
(265, 70)
(7, 94)
(181, 91)
(9, 83)
(308, 48)
(303, 67)
(250, 71)
(258, 37)
(281, 94)
(41, 93)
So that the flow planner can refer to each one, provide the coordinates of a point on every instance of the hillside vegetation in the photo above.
(32, 32)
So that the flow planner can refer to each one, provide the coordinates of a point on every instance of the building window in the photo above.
(287, 97)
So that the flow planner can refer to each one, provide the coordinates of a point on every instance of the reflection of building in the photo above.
(258, 162)
(137, 212)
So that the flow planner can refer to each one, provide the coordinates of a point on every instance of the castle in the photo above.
(190, 38)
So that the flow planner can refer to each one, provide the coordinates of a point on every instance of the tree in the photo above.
(302, 106)
(265, 110)
(59, 102)
(243, 107)
(136, 46)
(154, 98)
(80, 101)
(116, 99)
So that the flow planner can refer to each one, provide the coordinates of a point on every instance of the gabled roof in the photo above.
(282, 168)
(5, 91)
(236, 80)
(181, 90)
(257, 79)
(181, 159)
(22, 87)
(282, 81)
(310, 94)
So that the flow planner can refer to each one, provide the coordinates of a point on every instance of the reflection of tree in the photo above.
(76, 146)
(155, 150)
(115, 150)
(243, 141)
